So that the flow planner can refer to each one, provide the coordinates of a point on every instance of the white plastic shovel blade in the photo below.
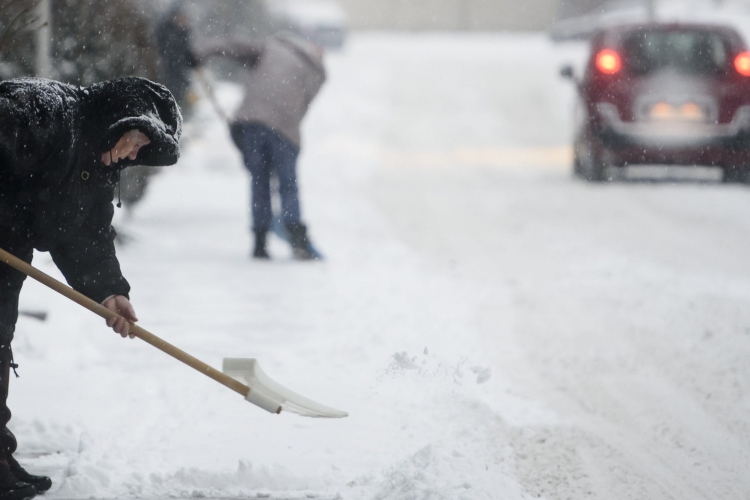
(271, 396)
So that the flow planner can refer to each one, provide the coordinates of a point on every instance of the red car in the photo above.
(667, 94)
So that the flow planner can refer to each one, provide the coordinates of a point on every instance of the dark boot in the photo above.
(302, 249)
(260, 252)
(11, 487)
(9, 444)
(40, 483)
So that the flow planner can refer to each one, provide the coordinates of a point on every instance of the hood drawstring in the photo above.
(119, 187)
(119, 181)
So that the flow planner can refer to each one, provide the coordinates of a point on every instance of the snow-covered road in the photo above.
(496, 329)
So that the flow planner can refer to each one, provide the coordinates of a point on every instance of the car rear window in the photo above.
(688, 52)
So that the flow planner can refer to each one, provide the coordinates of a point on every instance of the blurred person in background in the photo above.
(281, 76)
(173, 35)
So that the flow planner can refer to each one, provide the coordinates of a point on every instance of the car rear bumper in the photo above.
(625, 143)
(673, 135)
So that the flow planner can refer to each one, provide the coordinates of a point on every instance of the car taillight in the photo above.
(608, 62)
(742, 63)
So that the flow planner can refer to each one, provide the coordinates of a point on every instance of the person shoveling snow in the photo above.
(61, 150)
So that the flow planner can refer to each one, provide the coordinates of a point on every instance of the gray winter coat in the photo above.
(281, 77)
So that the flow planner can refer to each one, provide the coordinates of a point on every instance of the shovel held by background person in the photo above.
(242, 375)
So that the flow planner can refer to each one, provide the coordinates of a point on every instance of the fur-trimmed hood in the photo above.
(124, 104)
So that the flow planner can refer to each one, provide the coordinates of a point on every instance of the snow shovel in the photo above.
(242, 375)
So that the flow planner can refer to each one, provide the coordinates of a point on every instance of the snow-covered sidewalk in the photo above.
(495, 329)
(374, 330)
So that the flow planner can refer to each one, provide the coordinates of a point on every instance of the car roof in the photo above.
(612, 36)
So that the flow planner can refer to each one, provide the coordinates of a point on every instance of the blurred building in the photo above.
(514, 15)
(573, 8)
(581, 18)
(212, 18)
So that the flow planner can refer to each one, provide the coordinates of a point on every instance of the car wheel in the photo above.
(736, 174)
(588, 166)
(578, 170)
(597, 170)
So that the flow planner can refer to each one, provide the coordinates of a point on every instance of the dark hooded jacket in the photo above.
(55, 193)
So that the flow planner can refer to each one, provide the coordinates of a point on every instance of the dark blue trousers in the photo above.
(267, 154)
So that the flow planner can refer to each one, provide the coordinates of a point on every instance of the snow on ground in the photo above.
(495, 329)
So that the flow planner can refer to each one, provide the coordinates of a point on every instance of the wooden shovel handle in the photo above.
(211, 94)
(136, 330)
